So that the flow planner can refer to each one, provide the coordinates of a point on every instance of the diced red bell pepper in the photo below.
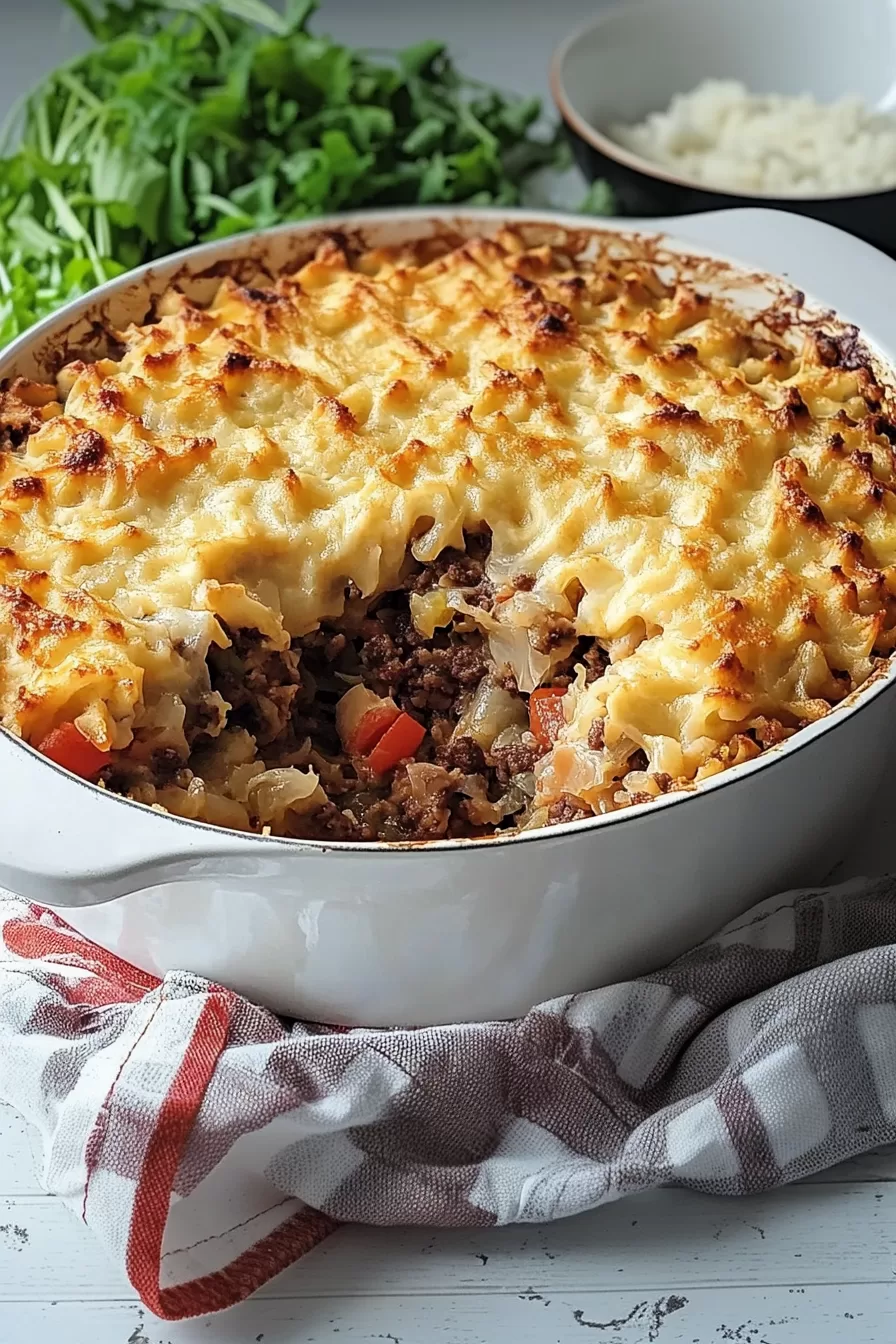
(68, 747)
(396, 744)
(546, 716)
(361, 719)
(372, 727)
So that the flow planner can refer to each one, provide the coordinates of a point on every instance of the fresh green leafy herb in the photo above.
(192, 120)
(599, 199)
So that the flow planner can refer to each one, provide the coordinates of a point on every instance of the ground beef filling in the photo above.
(432, 680)
(453, 786)
(259, 684)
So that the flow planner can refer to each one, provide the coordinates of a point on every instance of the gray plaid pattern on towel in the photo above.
(765, 1054)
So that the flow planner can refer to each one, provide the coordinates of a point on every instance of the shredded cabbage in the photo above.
(491, 712)
(274, 792)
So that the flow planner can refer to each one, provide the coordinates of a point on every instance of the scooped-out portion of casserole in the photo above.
(443, 539)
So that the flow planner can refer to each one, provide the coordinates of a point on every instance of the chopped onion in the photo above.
(508, 635)
(491, 711)
(351, 709)
(240, 779)
(509, 737)
(427, 781)
(429, 611)
(538, 819)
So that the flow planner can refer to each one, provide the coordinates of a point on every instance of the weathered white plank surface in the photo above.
(669, 1239)
(814, 1264)
(19, 1155)
(843, 1314)
(831, 1231)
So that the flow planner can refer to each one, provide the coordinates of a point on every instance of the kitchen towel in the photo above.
(209, 1144)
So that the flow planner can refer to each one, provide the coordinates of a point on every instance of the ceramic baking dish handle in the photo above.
(63, 843)
(854, 278)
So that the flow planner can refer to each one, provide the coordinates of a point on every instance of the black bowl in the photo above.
(638, 192)
(645, 189)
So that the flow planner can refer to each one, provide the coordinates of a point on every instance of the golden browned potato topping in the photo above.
(710, 502)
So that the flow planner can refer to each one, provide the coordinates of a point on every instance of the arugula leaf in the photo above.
(419, 58)
(599, 199)
(297, 14)
(196, 119)
(435, 181)
(425, 136)
(134, 188)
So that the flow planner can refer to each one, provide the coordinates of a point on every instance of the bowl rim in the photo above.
(880, 679)
(612, 149)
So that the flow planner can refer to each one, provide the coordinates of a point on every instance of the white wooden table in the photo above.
(812, 1264)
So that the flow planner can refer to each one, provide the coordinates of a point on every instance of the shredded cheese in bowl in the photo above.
(724, 137)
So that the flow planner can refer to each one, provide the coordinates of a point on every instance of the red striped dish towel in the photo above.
(209, 1144)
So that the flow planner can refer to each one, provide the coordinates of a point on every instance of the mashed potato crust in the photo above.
(711, 502)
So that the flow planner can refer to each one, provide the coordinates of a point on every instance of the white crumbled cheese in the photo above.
(724, 137)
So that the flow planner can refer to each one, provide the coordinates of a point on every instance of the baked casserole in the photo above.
(442, 539)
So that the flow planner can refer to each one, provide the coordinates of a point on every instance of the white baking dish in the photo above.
(457, 930)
